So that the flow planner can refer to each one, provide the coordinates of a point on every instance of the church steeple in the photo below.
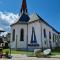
(23, 13)
(24, 7)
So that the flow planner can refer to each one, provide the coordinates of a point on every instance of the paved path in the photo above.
(24, 57)
(33, 59)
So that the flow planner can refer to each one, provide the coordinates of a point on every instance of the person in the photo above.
(1, 53)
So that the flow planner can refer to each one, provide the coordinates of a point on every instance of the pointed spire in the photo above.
(23, 13)
(24, 6)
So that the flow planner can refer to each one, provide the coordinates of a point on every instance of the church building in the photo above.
(32, 32)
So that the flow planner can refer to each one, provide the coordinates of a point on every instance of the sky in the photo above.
(49, 10)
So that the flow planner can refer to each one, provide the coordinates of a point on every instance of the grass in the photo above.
(29, 53)
(56, 51)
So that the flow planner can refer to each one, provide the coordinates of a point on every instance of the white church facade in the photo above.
(32, 32)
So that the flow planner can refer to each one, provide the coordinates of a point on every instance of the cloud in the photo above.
(7, 18)
(1, 28)
(4, 34)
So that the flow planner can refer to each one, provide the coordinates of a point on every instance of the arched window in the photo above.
(13, 37)
(53, 37)
(22, 35)
(44, 33)
(49, 35)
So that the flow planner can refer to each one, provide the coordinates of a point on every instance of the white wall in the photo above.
(20, 44)
(48, 29)
(56, 40)
(59, 40)
(12, 43)
(37, 28)
(40, 39)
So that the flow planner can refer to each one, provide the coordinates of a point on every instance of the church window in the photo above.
(59, 36)
(44, 33)
(22, 35)
(13, 37)
(45, 42)
(53, 37)
(49, 35)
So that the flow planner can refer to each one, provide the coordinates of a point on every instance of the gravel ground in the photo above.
(24, 57)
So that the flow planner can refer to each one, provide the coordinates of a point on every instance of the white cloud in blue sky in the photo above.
(7, 18)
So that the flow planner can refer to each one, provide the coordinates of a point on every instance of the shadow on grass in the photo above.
(56, 51)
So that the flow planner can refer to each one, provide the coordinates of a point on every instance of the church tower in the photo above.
(23, 12)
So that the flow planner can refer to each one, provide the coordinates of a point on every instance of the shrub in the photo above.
(38, 53)
(7, 53)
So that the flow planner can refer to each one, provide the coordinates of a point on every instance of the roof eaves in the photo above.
(47, 24)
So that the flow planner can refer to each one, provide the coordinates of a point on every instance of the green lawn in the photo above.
(56, 51)
(18, 52)
(29, 53)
